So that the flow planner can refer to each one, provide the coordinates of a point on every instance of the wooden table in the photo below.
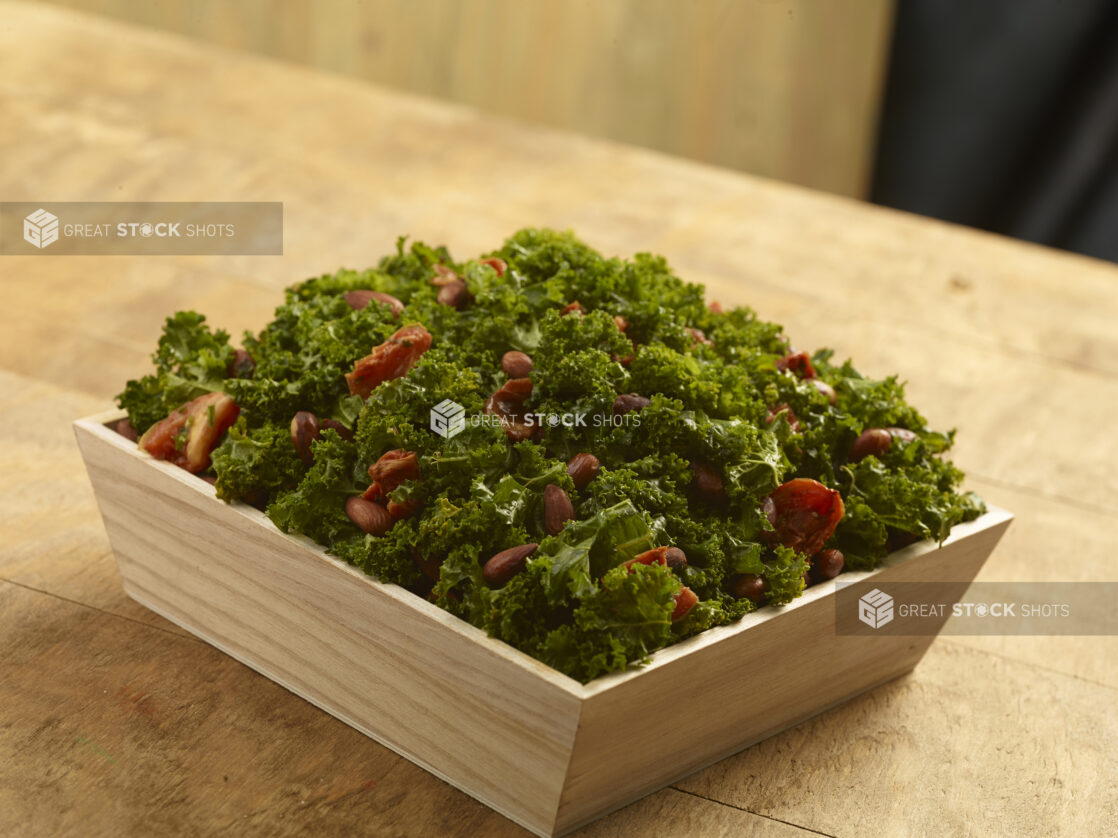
(113, 721)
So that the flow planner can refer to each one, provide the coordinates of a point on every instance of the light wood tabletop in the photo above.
(114, 721)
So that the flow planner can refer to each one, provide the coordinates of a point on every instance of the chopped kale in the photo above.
(723, 414)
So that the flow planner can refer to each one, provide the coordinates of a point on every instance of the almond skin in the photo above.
(827, 564)
(583, 468)
(628, 402)
(304, 431)
(750, 586)
(706, 480)
(453, 294)
(826, 389)
(506, 564)
(516, 364)
(875, 441)
(125, 429)
(370, 517)
(362, 298)
(242, 365)
(557, 509)
(675, 558)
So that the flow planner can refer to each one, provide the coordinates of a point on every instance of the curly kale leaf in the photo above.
(316, 507)
(251, 464)
(191, 359)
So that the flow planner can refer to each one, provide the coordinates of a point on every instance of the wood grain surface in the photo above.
(113, 722)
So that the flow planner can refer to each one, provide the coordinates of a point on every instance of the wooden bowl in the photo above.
(546, 751)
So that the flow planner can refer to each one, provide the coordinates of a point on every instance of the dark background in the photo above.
(1003, 114)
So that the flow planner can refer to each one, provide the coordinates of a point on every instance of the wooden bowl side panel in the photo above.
(742, 688)
(353, 647)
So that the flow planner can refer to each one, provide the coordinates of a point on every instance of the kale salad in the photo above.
(575, 453)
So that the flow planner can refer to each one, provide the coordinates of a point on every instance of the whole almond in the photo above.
(583, 468)
(628, 402)
(361, 298)
(827, 564)
(304, 431)
(453, 294)
(370, 517)
(557, 509)
(242, 365)
(875, 441)
(506, 564)
(750, 586)
(620, 322)
(516, 364)
(902, 434)
(675, 558)
(125, 429)
(706, 480)
(826, 389)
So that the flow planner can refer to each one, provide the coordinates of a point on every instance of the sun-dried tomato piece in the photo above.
(509, 400)
(392, 359)
(799, 363)
(508, 404)
(443, 275)
(388, 473)
(404, 509)
(657, 555)
(573, 308)
(782, 407)
(804, 514)
(499, 265)
(395, 467)
(188, 435)
(685, 600)
(698, 337)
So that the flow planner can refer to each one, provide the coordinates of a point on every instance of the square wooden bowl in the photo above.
(546, 751)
